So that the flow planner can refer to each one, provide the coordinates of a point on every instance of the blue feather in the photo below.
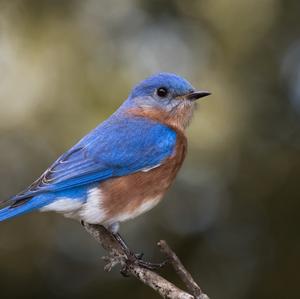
(118, 147)
(33, 204)
(172, 82)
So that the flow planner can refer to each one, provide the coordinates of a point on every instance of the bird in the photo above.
(123, 167)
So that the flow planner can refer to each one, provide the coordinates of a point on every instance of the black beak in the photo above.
(197, 95)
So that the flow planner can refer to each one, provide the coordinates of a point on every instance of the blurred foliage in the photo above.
(232, 215)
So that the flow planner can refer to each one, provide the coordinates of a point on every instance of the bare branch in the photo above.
(165, 288)
(184, 275)
(117, 255)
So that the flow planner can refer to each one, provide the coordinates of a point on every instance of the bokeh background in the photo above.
(233, 213)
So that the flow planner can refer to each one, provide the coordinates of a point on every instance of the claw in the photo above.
(135, 258)
(151, 266)
(124, 271)
(139, 256)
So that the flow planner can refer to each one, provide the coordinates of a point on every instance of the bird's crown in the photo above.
(162, 83)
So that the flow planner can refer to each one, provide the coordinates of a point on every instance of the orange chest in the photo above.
(128, 193)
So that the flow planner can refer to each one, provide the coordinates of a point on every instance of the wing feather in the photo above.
(115, 148)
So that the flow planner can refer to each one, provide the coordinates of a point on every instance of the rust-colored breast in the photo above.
(125, 195)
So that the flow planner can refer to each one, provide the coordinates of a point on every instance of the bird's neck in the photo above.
(178, 118)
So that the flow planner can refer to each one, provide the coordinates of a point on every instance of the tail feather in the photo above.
(34, 203)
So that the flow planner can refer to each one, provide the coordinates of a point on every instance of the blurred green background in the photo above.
(233, 213)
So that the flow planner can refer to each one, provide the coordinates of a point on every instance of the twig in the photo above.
(184, 275)
(117, 255)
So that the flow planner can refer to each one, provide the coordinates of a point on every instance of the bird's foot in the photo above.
(136, 258)
(150, 265)
(128, 258)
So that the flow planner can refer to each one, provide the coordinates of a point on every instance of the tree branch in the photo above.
(184, 275)
(166, 289)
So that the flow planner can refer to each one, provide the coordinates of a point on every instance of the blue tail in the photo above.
(34, 203)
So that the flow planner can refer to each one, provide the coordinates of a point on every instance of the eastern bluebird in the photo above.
(124, 166)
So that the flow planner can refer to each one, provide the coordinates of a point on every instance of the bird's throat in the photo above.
(179, 117)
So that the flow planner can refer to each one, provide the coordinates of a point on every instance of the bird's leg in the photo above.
(131, 257)
(123, 244)
(135, 257)
(113, 229)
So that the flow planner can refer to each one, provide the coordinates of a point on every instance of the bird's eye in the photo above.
(162, 92)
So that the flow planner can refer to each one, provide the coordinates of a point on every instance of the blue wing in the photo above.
(117, 147)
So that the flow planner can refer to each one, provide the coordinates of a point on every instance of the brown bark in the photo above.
(166, 289)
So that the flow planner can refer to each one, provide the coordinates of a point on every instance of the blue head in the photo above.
(173, 84)
(166, 92)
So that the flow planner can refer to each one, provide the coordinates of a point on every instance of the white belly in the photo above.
(89, 210)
